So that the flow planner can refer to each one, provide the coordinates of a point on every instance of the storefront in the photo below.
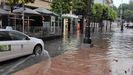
(70, 23)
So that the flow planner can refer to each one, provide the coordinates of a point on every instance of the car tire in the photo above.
(37, 50)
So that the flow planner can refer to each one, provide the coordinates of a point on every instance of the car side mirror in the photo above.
(27, 38)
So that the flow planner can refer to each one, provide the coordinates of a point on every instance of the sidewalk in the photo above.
(84, 61)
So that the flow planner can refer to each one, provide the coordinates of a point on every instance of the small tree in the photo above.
(59, 6)
(112, 15)
(77, 6)
(97, 12)
(102, 12)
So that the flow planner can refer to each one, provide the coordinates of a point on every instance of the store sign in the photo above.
(5, 48)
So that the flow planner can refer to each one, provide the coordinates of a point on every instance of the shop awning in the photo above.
(69, 15)
(45, 11)
(3, 12)
(26, 11)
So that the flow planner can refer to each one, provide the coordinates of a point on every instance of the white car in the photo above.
(15, 44)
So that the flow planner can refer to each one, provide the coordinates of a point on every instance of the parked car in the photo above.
(15, 44)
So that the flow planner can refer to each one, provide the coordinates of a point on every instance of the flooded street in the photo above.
(59, 46)
(112, 54)
(120, 52)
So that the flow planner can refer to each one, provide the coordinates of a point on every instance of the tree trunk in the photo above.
(93, 30)
(101, 26)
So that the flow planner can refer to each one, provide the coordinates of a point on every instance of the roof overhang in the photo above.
(4, 12)
(26, 11)
(46, 11)
(70, 16)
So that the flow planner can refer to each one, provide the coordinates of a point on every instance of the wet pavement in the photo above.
(54, 48)
(112, 54)
(120, 52)
(14, 65)
(59, 46)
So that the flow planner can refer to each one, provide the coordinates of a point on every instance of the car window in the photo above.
(4, 36)
(17, 36)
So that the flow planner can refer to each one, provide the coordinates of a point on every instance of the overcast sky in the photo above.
(118, 2)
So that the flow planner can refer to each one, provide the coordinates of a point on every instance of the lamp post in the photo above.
(121, 16)
(87, 38)
(60, 4)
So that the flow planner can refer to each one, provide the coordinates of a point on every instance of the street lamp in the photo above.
(87, 38)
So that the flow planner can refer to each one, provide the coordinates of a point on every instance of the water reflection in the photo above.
(111, 55)
(68, 42)
(120, 52)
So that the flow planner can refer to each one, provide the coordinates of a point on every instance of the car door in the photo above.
(8, 48)
(22, 40)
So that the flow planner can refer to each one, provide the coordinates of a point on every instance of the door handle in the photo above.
(21, 45)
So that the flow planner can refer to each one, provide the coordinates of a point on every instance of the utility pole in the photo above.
(87, 38)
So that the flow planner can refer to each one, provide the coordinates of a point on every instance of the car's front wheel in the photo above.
(38, 50)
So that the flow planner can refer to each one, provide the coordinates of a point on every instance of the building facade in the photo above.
(41, 3)
(50, 22)
(38, 25)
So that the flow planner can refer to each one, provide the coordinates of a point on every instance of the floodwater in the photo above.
(112, 53)
(118, 50)
(68, 42)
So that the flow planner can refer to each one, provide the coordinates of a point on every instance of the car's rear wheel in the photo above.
(38, 50)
